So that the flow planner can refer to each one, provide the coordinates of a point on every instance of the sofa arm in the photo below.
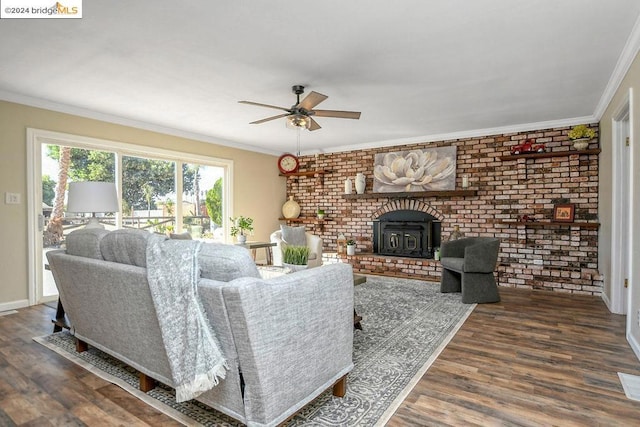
(314, 243)
(276, 237)
(293, 335)
(481, 257)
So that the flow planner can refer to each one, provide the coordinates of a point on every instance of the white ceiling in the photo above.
(418, 70)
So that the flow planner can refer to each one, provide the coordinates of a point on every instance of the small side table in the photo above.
(252, 246)
(61, 319)
(358, 279)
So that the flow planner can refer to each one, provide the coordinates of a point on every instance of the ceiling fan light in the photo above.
(297, 121)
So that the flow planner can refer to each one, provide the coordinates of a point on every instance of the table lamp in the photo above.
(93, 197)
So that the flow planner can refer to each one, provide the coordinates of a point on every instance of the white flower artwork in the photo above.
(431, 169)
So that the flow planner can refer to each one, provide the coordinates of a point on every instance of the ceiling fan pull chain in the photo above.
(298, 143)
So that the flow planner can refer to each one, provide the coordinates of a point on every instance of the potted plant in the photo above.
(580, 135)
(295, 257)
(320, 213)
(242, 225)
(351, 247)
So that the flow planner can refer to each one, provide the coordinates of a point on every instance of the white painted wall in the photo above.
(630, 81)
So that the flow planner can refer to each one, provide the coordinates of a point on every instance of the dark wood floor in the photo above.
(536, 358)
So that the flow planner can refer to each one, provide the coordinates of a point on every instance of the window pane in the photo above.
(202, 201)
(146, 186)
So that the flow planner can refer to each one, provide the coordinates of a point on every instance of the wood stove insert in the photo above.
(407, 233)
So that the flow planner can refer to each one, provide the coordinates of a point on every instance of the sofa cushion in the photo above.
(452, 263)
(225, 263)
(294, 236)
(126, 247)
(86, 242)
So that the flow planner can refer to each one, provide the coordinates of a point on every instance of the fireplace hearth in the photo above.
(406, 233)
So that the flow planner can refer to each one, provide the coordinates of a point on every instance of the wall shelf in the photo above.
(549, 154)
(318, 172)
(317, 222)
(550, 224)
(412, 194)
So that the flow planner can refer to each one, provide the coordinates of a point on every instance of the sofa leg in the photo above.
(340, 387)
(81, 346)
(146, 383)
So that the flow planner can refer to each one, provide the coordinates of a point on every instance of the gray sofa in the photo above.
(468, 265)
(285, 339)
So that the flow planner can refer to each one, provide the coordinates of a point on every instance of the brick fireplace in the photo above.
(558, 258)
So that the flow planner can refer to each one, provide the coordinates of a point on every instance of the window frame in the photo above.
(36, 138)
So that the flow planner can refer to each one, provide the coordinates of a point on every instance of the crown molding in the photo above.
(109, 118)
(475, 133)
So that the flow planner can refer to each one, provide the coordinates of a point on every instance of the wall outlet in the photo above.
(12, 198)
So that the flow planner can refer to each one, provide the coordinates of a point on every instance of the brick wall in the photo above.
(557, 258)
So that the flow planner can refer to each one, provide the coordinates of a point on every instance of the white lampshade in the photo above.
(92, 197)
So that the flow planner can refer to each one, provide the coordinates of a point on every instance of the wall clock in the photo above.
(288, 163)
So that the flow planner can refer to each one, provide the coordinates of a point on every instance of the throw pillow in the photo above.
(126, 246)
(294, 236)
(86, 242)
(225, 263)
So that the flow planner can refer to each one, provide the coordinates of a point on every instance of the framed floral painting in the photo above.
(430, 169)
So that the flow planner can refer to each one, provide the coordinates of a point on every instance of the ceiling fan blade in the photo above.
(264, 105)
(257, 122)
(314, 125)
(311, 100)
(338, 114)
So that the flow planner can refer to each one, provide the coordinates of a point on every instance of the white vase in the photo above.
(291, 209)
(242, 239)
(361, 183)
(294, 267)
(351, 249)
(581, 144)
(347, 186)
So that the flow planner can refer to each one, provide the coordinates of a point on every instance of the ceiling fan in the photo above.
(300, 114)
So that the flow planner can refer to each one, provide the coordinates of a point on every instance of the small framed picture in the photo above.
(564, 212)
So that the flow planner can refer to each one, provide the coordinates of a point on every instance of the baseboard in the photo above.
(635, 345)
(14, 305)
(606, 300)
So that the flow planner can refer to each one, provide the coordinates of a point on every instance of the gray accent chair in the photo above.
(468, 265)
(286, 339)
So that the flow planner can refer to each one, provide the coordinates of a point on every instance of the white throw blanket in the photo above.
(192, 349)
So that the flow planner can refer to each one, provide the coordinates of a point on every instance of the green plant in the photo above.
(351, 242)
(581, 131)
(241, 225)
(320, 211)
(297, 255)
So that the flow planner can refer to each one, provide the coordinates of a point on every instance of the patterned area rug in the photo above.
(406, 324)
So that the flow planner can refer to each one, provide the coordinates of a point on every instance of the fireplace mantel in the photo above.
(412, 194)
